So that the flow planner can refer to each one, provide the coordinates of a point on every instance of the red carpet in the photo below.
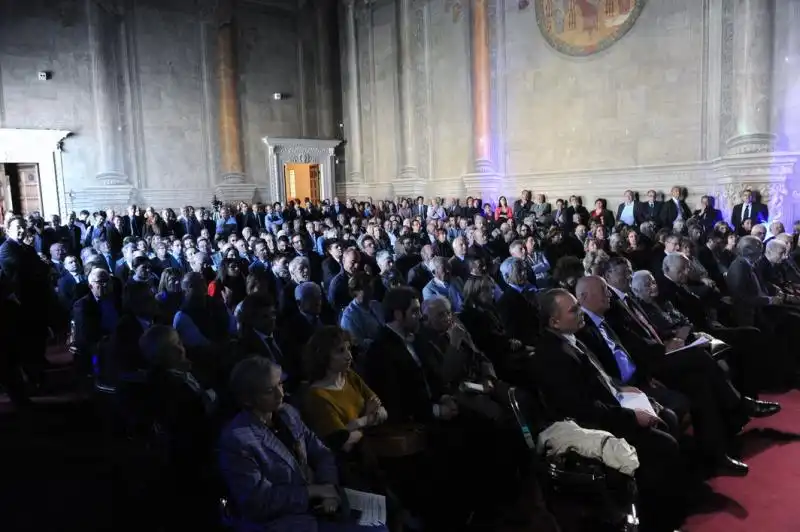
(765, 500)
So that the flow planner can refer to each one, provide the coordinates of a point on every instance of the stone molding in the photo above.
(230, 192)
(724, 178)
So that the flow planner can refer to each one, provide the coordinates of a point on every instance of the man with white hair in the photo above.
(517, 306)
(444, 284)
(756, 304)
(95, 316)
(759, 231)
(748, 293)
(458, 262)
(462, 360)
(774, 272)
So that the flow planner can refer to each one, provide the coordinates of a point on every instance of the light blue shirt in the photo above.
(363, 322)
(626, 215)
(627, 368)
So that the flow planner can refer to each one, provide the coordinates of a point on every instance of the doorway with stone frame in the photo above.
(312, 156)
(20, 189)
(38, 153)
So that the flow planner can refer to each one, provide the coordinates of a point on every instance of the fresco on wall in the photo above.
(585, 27)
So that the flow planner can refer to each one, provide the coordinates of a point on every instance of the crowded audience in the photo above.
(296, 349)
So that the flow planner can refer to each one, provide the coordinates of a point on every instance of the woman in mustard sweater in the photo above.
(338, 405)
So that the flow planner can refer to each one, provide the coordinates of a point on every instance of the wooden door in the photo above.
(314, 183)
(297, 180)
(30, 196)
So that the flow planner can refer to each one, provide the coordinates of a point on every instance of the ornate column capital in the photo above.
(764, 173)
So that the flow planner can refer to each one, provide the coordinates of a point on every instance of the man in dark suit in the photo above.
(402, 370)
(717, 406)
(338, 291)
(420, 209)
(30, 277)
(187, 223)
(72, 284)
(400, 374)
(754, 305)
(748, 209)
(675, 208)
(72, 235)
(419, 275)
(673, 289)
(598, 335)
(258, 335)
(517, 306)
(574, 385)
(300, 244)
(649, 210)
(132, 223)
(95, 315)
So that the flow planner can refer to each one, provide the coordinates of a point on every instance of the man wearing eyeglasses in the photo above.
(301, 248)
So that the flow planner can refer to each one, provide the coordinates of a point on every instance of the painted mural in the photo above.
(585, 27)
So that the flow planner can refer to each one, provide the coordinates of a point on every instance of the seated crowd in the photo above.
(293, 350)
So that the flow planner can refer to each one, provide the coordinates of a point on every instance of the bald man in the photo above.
(595, 299)
(574, 385)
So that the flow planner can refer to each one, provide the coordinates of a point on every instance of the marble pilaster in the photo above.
(481, 89)
(752, 76)
(230, 134)
(106, 30)
(352, 126)
(324, 90)
(408, 167)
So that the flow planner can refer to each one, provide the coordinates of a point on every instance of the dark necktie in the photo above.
(640, 318)
(597, 366)
(746, 213)
(273, 348)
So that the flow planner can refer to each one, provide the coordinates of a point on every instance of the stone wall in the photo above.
(136, 81)
(656, 108)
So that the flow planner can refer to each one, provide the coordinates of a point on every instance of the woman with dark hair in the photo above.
(169, 295)
(338, 404)
(479, 316)
(568, 270)
(230, 285)
(601, 214)
(503, 212)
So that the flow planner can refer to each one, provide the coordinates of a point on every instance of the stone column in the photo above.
(230, 134)
(106, 21)
(351, 100)
(324, 91)
(408, 168)
(752, 76)
(481, 91)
